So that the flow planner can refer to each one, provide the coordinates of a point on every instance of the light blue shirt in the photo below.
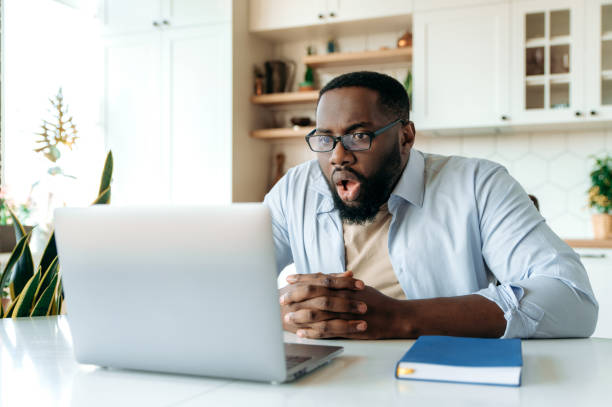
(458, 226)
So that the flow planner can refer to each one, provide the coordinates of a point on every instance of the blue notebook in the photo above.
(463, 360)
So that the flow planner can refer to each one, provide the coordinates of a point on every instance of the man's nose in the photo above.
(340, 156)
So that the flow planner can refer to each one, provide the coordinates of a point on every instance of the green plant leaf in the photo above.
(11, 307)
(14, 258)
(107, 174)
(103, 198)
(24, 270)
(1, 311)
(19, 229)
(47, 277)
(44, 304)
(57, 302)
(23, 308)
(49, 254)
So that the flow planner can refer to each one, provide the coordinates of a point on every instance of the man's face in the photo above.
(361, 181)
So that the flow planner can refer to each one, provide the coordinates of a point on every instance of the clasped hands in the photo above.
(337, 305)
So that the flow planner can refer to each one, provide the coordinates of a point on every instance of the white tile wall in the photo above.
(552, 166)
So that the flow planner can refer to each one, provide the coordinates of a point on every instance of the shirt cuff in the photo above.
(521, 319)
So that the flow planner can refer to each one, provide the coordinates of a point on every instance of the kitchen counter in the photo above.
(590, 243)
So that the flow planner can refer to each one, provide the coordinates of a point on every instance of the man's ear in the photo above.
(408, 135)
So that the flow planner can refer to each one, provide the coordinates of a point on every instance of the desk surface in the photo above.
(37, 368)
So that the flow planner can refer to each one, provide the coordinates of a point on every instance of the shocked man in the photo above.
(390, 242)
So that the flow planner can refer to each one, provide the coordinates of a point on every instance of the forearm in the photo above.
(469, 315)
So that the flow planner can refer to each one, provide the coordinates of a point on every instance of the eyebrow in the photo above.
(348, 129)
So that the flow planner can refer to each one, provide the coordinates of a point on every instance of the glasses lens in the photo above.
(321, 143)
(357, 141)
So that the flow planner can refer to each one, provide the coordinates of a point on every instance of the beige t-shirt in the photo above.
(367, 254)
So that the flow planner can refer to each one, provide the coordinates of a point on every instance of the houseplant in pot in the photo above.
(600, 197)
(7, 235)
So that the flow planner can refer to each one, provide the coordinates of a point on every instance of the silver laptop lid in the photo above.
(174, 289)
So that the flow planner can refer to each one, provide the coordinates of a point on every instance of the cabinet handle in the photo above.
(166, 22)
(593, 113)
(155, 24)
(321, 16)
(332, 14)
(504, 117)
(578, 114)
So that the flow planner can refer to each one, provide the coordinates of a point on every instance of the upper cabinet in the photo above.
(268, 15)
(549, 54)
(133, 16)
(598, 72)
(460, 67)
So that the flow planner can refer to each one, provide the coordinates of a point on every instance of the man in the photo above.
(390, 242)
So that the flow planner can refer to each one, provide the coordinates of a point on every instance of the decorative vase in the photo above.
(602, 225)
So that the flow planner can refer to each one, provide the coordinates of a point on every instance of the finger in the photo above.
(332, 329)
(335, 281)
(335, 304)
(307, 316)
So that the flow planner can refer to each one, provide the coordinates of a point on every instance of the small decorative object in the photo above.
(7, 235)
(600, 197)
(62, 131)
(37, 291)
(332, 46)
(259, 81)
(308, 82)
(405, 40)
(300, 121)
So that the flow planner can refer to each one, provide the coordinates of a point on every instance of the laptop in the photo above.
(188, 290)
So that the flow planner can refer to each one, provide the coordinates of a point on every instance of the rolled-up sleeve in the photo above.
(543, 288)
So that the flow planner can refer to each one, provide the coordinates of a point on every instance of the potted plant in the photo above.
(7, 235)
(37, 290)
(600, 197)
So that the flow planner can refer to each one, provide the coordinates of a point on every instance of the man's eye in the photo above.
(322, 139)
(359, 136)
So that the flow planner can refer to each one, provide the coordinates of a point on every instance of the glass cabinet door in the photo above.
(546, 77)
(599, 58)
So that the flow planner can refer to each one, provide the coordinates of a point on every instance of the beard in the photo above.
(374, 190)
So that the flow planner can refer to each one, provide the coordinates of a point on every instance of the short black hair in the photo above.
(391, 94)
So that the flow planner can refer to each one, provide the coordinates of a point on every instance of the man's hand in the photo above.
(336, 305)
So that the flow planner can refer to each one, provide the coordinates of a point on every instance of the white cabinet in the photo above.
(548, 55)
(598, 72)
(168, 114)
(280, 14)
(131, 16)
(598, 264)
(460, 67)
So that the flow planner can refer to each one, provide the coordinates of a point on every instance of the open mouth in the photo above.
(347, 186)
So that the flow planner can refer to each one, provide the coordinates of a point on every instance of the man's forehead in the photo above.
(345, 106)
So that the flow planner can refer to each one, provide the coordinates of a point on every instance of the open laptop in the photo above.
(187, 290)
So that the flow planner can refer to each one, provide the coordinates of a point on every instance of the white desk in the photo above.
(37, 368)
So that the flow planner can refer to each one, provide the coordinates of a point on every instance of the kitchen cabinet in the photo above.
(548, 55)
(598, 264)
(131, 16)
(279, 14)
(168, 114)
(598, 71)
(460, 67)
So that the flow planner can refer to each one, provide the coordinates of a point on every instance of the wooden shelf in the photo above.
(594, 243)
(356, 58)
(269, 99)
(284, 133)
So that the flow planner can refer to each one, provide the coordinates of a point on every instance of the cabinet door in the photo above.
(132, 119)
(197, 96)
(460, 67)
(129, 16)
(276, 14)
(598, 264)
(598, 47)
(181, 13)
(548, 53)
(348, 10)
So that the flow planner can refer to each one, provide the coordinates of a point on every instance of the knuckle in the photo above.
(311, 289)
(327, 281)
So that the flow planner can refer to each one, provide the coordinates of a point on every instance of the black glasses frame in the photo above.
(336, 139)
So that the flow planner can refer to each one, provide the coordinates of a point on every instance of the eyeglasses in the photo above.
(361, 141)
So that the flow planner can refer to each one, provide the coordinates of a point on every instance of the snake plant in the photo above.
(37, 291)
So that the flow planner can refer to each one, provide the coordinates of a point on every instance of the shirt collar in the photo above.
(410, 187)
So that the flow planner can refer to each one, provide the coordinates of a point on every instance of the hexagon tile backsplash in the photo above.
(552, 166)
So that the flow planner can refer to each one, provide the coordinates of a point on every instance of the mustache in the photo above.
(359, 176)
